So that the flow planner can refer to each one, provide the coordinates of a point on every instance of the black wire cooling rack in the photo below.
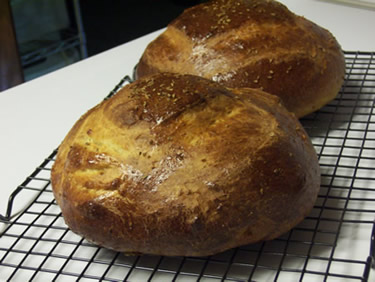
(334, 243)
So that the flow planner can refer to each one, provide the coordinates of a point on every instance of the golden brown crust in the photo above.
(252, 43)
(179, 165)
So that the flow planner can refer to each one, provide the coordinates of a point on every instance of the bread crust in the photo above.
(252, 43)
(179, 165)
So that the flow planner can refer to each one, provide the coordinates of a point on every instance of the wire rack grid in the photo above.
(334, 243)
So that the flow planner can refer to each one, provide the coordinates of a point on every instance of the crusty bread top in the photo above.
(180, 165)
(256, 44)
(218, 17)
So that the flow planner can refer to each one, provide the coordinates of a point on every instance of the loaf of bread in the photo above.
(252, 43)
(180, 165)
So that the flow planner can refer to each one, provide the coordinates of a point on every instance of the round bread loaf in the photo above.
(252, 43)
(180, 165)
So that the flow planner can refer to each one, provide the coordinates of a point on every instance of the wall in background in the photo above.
(113, 22)
(54, 34)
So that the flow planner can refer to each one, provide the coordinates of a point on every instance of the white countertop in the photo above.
(35, 116)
